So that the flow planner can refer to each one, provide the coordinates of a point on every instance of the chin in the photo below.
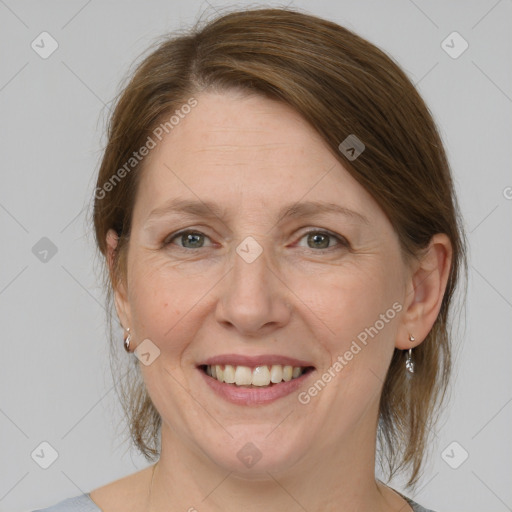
(252, 455)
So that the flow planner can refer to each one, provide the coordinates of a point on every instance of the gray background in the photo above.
(55, 382)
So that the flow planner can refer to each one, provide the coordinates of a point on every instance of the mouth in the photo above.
(262, 376)
(249, 380)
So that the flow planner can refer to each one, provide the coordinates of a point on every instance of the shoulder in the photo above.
(82, 503)
(416, 507)
(127, 494)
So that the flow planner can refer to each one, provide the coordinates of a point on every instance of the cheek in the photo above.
(361, 310)
(159, 299)
(357, 305)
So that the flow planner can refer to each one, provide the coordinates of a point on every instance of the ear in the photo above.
(425, 291)
(120, 292)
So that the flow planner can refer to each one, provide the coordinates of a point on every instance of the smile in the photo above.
(259, 376)
(254, 380)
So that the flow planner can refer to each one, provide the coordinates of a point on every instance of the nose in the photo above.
(254, 297)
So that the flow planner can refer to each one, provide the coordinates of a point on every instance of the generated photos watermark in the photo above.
(342, 360)
(158, 133)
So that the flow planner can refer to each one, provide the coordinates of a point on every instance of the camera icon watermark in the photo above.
(249, 454)
(454, 45)
(249, 249)
(454, 455)
(146, 352)
(352, 147)
(44, 455)
(44, 45)
(44, 250)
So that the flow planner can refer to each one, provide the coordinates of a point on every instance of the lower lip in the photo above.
(254, 396)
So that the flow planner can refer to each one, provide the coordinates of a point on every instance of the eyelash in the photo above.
(342, 242)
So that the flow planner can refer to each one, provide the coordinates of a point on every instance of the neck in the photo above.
(337, 477)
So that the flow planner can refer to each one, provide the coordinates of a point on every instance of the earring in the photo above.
(127, 340)
(409, 363)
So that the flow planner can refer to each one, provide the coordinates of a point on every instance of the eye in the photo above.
(316, 239)
(321, 240)
(194, 239)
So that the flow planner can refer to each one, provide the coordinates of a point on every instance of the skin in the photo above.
(252, 155)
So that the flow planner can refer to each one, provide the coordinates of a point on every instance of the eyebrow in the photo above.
(210, 210)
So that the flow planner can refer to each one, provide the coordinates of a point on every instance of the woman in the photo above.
(283, 243)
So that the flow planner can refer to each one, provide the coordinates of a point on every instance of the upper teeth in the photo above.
(259, 376)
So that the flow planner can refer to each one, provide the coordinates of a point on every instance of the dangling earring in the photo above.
(409, 363)
(127, 340)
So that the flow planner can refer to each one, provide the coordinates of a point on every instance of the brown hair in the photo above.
(341, 84)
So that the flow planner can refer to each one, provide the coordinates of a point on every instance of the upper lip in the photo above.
(253, 361)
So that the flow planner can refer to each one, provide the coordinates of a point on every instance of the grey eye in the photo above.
(194, 239)
(318, 240)
(322, 240)
(188, 239)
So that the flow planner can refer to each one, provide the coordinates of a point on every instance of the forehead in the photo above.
(227, 128)
(247, 152)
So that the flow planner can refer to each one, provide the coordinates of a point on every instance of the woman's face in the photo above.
(267, 276)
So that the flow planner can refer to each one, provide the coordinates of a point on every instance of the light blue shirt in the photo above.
(84, 503)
